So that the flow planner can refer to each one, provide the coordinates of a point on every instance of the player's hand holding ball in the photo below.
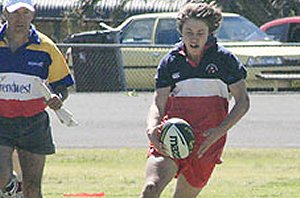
(178, 138)
(152, 134)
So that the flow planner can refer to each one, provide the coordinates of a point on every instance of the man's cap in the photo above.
(13, 5)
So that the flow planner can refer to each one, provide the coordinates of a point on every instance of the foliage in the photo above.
(86, 8)
(75, 17)
(258, 11)
(261, 11)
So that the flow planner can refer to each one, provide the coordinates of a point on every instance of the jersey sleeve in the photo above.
(59, 72)
(236, 70)
(162, 77)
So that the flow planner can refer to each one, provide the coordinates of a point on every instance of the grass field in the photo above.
(245, 173)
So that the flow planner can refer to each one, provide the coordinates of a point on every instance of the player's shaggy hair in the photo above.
(209, 13)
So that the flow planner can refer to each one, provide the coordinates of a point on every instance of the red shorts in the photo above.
(202, 114)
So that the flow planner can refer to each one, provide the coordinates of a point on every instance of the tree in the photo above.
(261, 11)
(258, 11)
(75, 18)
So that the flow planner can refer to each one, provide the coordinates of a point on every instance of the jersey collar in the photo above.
(211, 42)
(33, 36)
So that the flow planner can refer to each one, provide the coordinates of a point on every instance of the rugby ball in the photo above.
(178, 137)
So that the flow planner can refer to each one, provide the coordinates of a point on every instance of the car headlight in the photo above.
(265, 61)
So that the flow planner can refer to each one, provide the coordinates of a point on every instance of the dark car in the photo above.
(284, 29)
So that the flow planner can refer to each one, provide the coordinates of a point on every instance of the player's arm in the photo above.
(59, 73)
(242, 103)
(239, 92)
(155, 114)
(60, 94)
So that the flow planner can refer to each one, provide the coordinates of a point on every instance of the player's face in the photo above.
(194, 35)
(19, 21)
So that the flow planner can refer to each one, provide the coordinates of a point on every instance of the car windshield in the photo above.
(138, 31)
(240, 29)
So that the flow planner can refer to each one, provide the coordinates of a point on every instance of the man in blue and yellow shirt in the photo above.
(26, 54)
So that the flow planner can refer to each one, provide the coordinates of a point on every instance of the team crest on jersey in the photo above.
(176, 75)
(211, 68)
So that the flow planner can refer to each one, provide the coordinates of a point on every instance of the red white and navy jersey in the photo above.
(38, 58)
(199, 93)
(217, 69)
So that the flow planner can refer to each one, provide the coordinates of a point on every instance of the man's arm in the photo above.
(62, 92)
(242, 103)
(155, 114)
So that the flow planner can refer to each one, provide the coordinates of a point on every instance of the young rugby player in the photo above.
(193, 82)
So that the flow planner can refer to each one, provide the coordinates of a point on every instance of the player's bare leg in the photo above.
(184, 189)
(159, 172)
(32, 168)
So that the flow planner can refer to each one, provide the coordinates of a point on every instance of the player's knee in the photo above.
(151, 190)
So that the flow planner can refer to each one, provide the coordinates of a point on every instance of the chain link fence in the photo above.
(119, 67)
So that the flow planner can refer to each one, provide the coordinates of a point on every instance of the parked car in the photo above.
(148, 37)
(284, 29)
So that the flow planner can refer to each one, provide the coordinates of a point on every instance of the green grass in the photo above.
(245, 173)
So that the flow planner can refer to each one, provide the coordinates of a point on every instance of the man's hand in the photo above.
(54, 102)
(212, 135)
(152, 134)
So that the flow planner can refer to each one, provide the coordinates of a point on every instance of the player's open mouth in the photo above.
(194, 46)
